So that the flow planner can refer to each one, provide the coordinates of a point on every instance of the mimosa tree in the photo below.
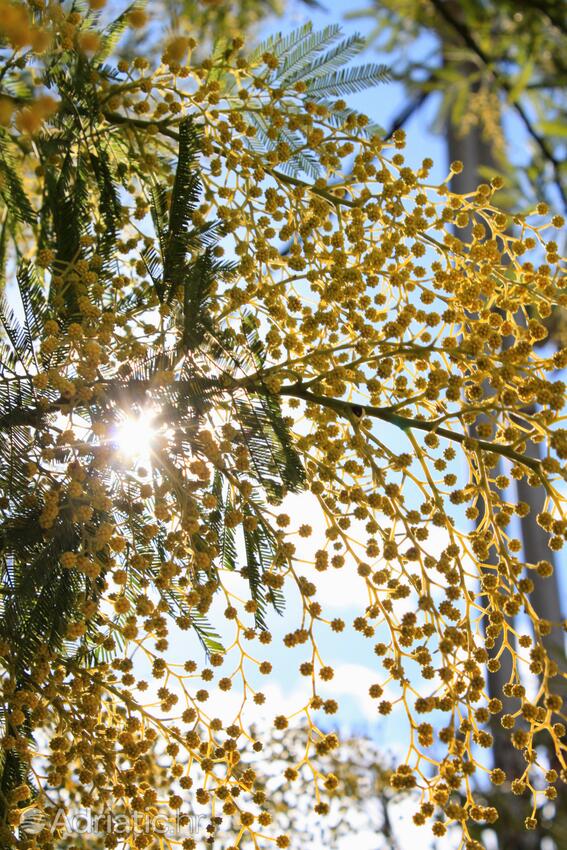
(223, 289)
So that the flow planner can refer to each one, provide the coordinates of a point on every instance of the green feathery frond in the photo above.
(316, 60)
(109, 203)
(275, 461)
(184, 197)
(305, 52)
(197, 287)
(34, 301)
(18, 336)
(225, 532)
(260, 549)
(280, 44)
(67, 202)
(349, 80)
(209, 638)
(301, 161)
(317, 64)
(12, 191)
(40, 596)
(112, 34)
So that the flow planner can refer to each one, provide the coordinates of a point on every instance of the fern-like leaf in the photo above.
(322, 64)
(279, 43)
(306, 51)
(184, 198)
(348, 80)
(11, 188)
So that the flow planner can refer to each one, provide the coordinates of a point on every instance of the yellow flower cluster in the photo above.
(392, 348)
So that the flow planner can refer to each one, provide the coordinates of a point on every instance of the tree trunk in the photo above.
(475, 153)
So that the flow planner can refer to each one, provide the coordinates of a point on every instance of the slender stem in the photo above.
(296, 181)
(164, 128)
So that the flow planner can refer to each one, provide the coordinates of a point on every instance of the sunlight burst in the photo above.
(134, 435)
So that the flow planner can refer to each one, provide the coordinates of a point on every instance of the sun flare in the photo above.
(135, 434)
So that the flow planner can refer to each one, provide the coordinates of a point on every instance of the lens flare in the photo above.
(134, 435)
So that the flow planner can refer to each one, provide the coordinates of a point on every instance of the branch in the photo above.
(164, 128)
(162, 124)
(554, 17)
(296, 181)
(406, 113)
(464, 32)
(349, 410)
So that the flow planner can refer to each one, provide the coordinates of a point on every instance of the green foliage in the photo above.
(348, 80)
(316, 61)
(14, 198)
(181, 236)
